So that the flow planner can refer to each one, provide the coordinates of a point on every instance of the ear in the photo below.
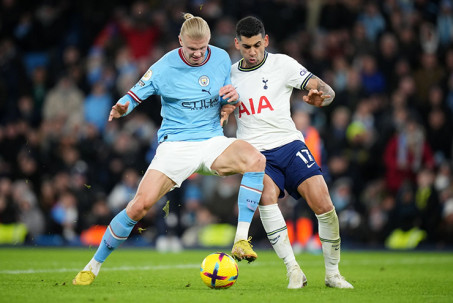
(266, 41)
(180, 40)
(236, 43)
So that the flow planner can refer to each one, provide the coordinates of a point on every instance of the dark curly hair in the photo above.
(249, 26)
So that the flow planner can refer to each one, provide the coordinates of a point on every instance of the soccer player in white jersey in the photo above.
(265, 82)
(193, 82)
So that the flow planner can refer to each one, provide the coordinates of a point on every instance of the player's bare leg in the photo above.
(153, 186)
(241, 157)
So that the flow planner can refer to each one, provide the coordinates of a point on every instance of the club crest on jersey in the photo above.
(147, 75)
(203, 81)
(265, 83)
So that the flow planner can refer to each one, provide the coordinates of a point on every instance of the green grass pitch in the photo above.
(144, 275)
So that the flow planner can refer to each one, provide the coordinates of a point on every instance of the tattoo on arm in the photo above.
(326, 89)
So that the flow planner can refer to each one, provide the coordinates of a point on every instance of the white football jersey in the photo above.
(264, 117)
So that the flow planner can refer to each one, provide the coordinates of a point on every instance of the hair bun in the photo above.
(188, 16)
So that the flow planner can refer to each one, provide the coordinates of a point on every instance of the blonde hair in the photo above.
(195, 27)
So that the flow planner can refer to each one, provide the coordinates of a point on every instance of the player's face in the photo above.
(252, 49)
(194, 50)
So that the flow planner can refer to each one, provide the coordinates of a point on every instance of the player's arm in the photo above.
(319, 92)
(226, 111)
(123, 107)
(118, 110)
(134, 97)
(229, 101)
(228, 94)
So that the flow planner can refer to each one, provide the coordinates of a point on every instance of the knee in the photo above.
(324, 205)
(138, 207)
(268, 198)
(257, 162)
(324, 208)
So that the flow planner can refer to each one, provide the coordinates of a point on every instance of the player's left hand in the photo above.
(225, 112)
(229, 93)
(315, 97)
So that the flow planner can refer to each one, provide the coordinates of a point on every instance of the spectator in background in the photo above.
(28, 211)
(360, 44)
(124, 191)
(361, 134)
(428, 204)
(378, 205)
(340, 70)
(39, 88)
(312, 137)
(439, 130)
(409, 47)
(97, 106)
(100, 213)
(8, 209)
(63, 107)
(137, 28)
(343, 199)
(335, 135)
(429, 39)
(446, 225)
(445, 23)
(387, 57)
(127, 70)
(28, 168)
(13, 78)
(223, 32)
(335, 15)
(429, 66)
(133, 27)
(404, 219)
(28, 112)
(372, 20)
(65, 215)
(372, 79)
(405, 154)
(354, 90)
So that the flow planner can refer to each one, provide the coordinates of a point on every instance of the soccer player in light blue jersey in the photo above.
(193, 82)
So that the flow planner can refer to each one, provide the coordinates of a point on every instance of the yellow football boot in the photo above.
(85, 277)
(242, 250)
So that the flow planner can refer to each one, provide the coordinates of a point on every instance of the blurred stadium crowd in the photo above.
(385, 144)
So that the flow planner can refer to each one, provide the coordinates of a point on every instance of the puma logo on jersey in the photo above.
(252, 108)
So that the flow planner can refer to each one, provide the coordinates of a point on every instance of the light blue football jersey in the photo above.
(189, 94)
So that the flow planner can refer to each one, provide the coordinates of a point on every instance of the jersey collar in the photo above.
(243, 69)
(206, 59)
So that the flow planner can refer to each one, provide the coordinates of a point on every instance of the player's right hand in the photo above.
(118, 110)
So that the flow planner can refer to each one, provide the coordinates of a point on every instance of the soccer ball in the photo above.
(219, 270)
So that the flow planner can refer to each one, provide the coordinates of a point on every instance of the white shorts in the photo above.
(180, 159)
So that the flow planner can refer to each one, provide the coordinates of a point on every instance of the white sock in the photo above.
(329, 234)
(275, 226)
(242, 231)
(93, 266)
